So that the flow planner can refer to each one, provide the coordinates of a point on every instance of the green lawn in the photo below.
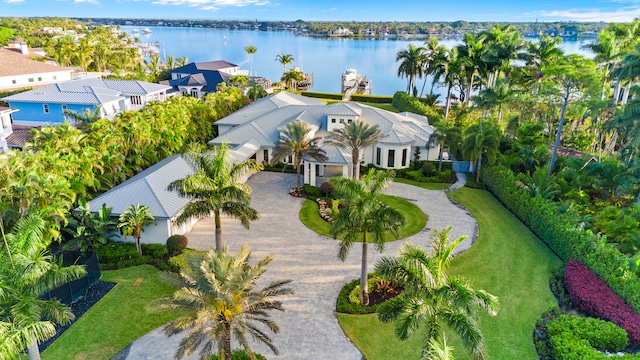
(508, 261)
(387, 107)
(428, 186)
(117, 319)
(415, 219)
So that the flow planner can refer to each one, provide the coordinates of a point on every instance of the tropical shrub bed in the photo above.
(240, 354)
(592, 296)
(405, 102)
(349, 298)
(576, 338)
(562, 233)
(118, 255)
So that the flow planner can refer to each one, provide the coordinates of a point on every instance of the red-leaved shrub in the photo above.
(592, 295)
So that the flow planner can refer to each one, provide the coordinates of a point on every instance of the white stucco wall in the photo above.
(37, 79)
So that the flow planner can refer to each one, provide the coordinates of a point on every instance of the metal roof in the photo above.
(149, 188)
(260, 123)
(86, 91)
(13, 63)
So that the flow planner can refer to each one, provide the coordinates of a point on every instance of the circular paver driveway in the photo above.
(309, 327)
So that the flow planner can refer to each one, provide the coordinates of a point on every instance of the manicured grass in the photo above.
(508, 261)
(387, 107)
(428, 186)
(415, 219)
(117, 319)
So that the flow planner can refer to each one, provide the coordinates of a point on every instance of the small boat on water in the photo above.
(146, 31)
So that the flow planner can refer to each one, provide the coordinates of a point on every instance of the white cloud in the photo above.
(620, 15)
(14, 1)
(86, 1)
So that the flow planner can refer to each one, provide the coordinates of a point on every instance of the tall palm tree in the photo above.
(355, 137)
(219, 298)
(296, 140)
(541, 54)
(250, 49)
(285, 59)
(216, 187)
(133, 220)
(412, 64)
(83, 119)
(432, 299)
(364, 217)
(27, 270)
(481, 139)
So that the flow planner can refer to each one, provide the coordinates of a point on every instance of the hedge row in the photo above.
(322, 95)
(405, 102)
(577, 338)
(374, 99)
(561, 232)
(592, 296)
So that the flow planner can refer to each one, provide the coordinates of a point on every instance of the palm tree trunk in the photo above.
(355, 154)
(34, 352)
(559, 134)
(138, 245)
(298, 178)
(227, 341)
(448, 105)
(364, 284)
(218, 231)
(440, 157)
(479, 168)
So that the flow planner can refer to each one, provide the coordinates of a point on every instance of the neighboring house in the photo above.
(18, 71)
(5, 126)
(149, 188)
(20, 136)
(199, 79)
(253, 131)
(47, 105)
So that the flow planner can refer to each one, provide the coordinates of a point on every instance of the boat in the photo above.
(146, 31)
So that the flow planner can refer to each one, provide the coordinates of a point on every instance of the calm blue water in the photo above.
(327, 59)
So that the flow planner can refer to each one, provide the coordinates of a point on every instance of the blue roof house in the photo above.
(198, 79)
(47, 105)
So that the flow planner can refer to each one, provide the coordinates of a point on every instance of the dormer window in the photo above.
(333, 121)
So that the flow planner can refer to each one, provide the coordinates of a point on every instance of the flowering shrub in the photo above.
(322, 209)
(593, 296)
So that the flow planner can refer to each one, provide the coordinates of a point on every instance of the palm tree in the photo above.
(355, 137)
(296, 139)
(256, 92)
(285, 59)
(541, 54)
(364, 217)
(88, 116)
(26, 272)
(412, 65)
(219, 298)
(133, 220)
(481, 139)
(431, 299)
(250, 49)
(291, 78)
(216, 187)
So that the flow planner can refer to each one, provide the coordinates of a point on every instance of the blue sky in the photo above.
(358, 10)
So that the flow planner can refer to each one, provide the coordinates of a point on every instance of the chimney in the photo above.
(25, 48)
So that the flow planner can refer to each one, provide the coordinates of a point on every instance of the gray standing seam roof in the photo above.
(149, 188)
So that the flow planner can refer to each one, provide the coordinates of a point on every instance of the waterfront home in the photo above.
(253, 131)
(17, 70)
(198, 79)
(149, 188)
(48, 105)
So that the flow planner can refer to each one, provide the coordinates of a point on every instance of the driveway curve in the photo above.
(309, 326)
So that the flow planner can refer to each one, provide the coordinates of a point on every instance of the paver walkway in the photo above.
(309, 326)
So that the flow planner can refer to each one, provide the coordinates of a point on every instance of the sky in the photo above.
(333, 10)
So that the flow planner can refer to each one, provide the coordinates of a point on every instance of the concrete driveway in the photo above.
(309, 326)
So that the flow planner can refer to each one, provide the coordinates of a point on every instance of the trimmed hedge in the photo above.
(321, 95)
(561, 232)
(405, 102)
(591, 295)
(374, 99)
(176, 243)
(580, 338)
(344, 305)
